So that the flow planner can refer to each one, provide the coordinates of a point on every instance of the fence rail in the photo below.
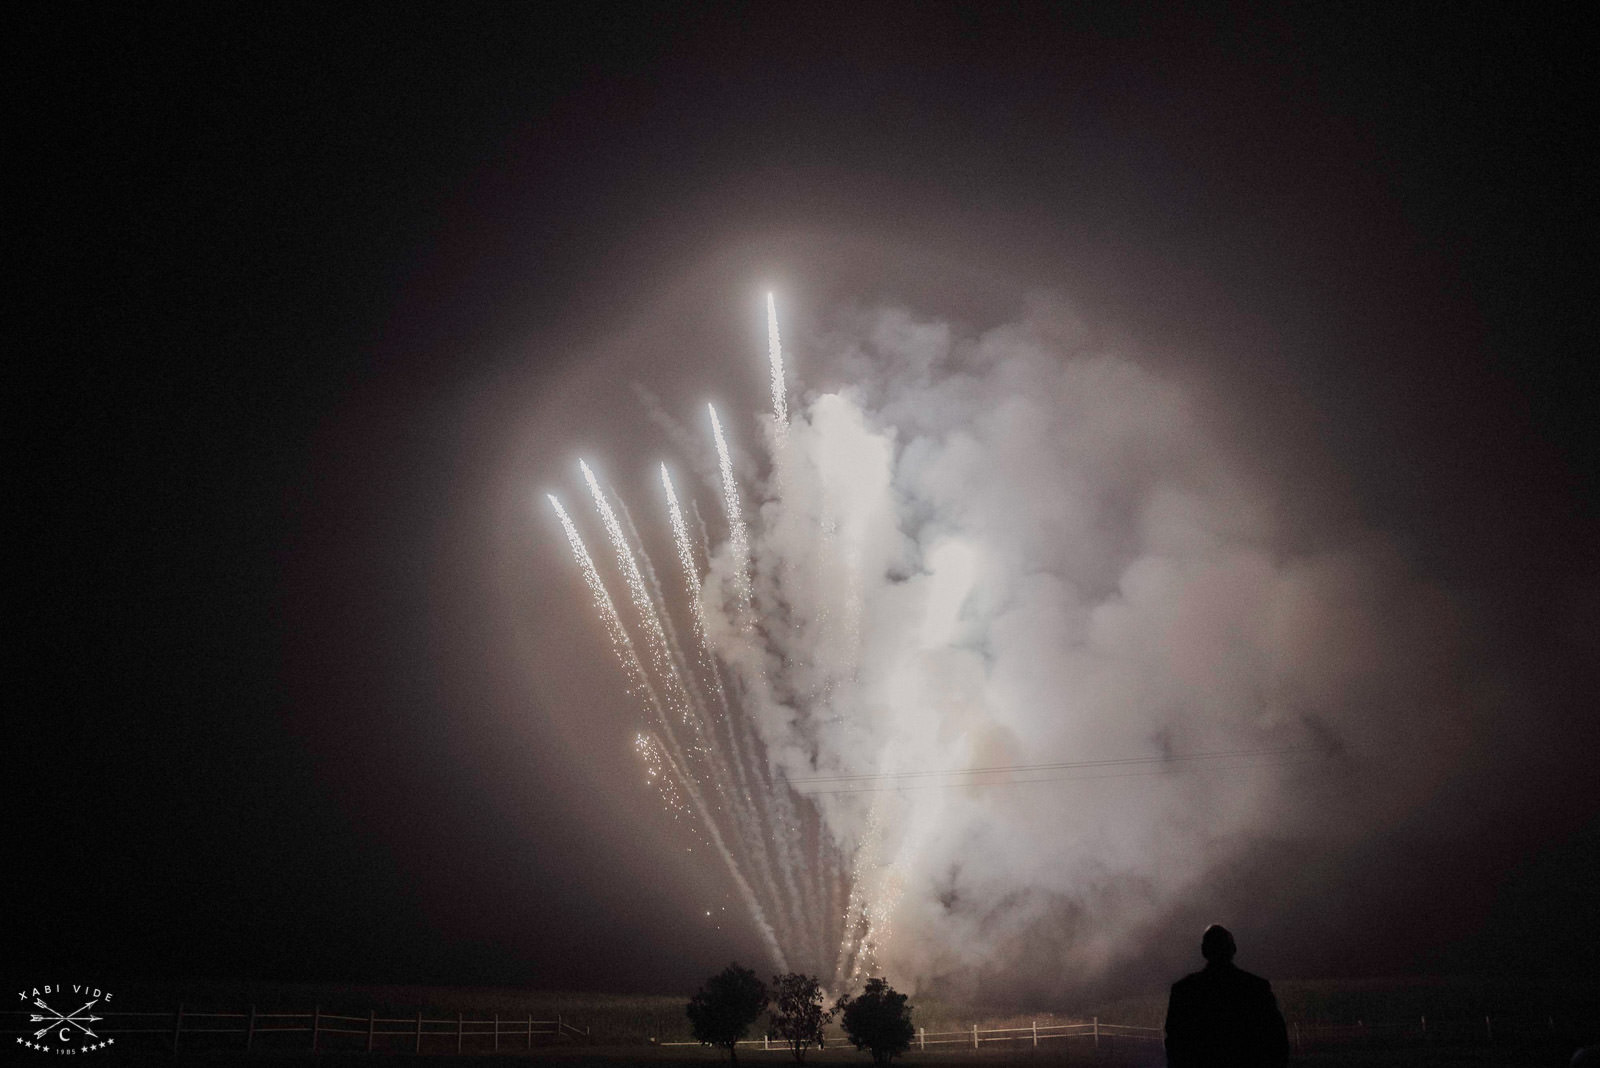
(1478, 1030)
(975, 1036)
(418, 1033)
(1034, 1034)
(501, 1032)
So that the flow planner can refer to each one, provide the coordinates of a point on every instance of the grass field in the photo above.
(621, 1057)
(629, 1018)
(1370, 1023)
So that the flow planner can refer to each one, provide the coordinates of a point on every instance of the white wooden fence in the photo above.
(431, 1034)
(975, 1036)
(1479, 1030)
(383, 1032)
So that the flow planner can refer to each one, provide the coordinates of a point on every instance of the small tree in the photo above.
(723, 1009)
(878, 1021)
(798, 1016)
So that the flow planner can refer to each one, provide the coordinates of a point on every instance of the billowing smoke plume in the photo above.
(1044, 657)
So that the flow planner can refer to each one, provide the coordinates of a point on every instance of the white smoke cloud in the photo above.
(1011, 549)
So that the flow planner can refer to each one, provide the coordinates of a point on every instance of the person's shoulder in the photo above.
(1188, 981)
(1254, 981)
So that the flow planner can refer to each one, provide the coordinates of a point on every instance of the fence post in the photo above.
(1488, 1031)
(497, 1032)
(974, 1036)
(250, 1031)
(371, 1019)
(530, 1030)
(1424, 1029)
(177, 1026)
(1097, 1032)
(1036, 1034)
(558, 1027)
(419, 1030)
(316, 1025)
(922, 1038)
(458, 1032)
(766, 1042)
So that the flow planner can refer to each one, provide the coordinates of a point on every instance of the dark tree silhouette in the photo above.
(798, 1015)
(723, 1009)
(879, 1020)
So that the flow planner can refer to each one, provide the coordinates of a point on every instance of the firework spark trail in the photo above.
(704, 656)
(858, 949)
(782, 829)
(780, 393)
(839, 538)
(656, 635)
(792, 841)
(838, 929)
(650, 750)
(812, 900)
(738, 534)
(700, 526)
(817, 891)
(638, 681)
(692, 589)
(747, 806)
(778, 812)
(807, 901)
(680, 539)
(682, 677)
(739, 546)
(662, 661)
(768, 935)
(800, 904)
(660, 756)
(656, 642)
(639, 685)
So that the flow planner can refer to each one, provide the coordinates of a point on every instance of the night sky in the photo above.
(300, 281)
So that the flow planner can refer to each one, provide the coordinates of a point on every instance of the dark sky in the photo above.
(278, 260)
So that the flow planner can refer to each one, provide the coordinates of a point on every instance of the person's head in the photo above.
(1216, 945)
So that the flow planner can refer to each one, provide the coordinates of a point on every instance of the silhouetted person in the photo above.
(1223, 1017)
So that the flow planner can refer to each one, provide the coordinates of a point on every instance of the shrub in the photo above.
(721, 1011)
(798, 1016)
(878, 1021)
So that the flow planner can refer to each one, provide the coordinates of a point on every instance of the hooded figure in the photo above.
(1222, 1017)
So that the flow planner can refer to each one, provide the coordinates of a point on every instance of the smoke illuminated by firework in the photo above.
(805, 890)
(989, 563)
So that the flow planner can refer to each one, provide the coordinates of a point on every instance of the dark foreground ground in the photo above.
(1554, 1054)
(1416, 1022)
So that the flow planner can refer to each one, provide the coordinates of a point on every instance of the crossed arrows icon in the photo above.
(56, 1018)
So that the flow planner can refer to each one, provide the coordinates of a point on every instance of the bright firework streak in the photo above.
(660, 653)
(780, 393)
(750, 808)
(738, 536)
(787, 869)
(638, 682)
(682, 704)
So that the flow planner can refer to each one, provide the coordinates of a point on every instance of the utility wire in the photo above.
(904, 780)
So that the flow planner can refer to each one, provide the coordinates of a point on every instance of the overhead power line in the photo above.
(1059, 771)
